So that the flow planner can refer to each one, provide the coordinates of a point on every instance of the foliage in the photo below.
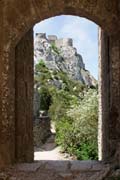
(65, 133)
(42, 73)
(72, 86)
(45, 98)
(39, 66)
(54, 48)
(73, 108)
(82, 132)
(61, 101)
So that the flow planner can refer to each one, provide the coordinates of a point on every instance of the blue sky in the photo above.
(83, 32)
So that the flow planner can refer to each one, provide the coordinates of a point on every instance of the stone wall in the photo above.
(104, 95)
(41, 130)
(24, 99)
(114, 104)
(64, 42)
(109, 93)
(16, 18)
(52, 38)
(58, 170)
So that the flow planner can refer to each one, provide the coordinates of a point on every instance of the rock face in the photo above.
(41, 130)
(60, 55)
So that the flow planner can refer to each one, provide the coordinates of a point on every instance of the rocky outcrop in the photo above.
(41, 130)
(60, 55)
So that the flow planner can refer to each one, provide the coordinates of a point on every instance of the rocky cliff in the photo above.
(60, 55)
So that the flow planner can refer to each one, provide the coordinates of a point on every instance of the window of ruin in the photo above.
(16, 51)
(72, 42)
(24, 83)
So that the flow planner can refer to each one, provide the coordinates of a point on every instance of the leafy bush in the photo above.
(64, 133)
(42, 73)
(39, 66)
(73, 108)
(80, 136)
(55, 49)
(45, 98)
(61, 102)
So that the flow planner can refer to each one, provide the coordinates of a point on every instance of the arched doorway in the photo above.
(20, 18)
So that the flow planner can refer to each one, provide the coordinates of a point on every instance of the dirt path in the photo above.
(49, 151)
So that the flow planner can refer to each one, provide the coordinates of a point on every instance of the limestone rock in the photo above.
(41, 130)
(60, 55)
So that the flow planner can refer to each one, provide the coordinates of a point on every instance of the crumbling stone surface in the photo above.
(114, 175)
(65, 58)
(56, 170)
(41, 130)
(24, 99)
(16, 19)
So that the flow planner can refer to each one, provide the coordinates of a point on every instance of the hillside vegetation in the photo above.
(73, 107)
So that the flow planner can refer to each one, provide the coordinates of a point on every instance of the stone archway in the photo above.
(17, 18)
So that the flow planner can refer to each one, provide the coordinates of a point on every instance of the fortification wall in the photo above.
(64, 42)
(52, 38)
(58, 42)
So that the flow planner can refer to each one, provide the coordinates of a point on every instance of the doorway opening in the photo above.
(65, 89)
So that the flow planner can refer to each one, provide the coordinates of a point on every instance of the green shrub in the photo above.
(61, 102)
(73, 108)
(64, 133)
(42, 73)
(79, 136)
(39, 66)
(45, 98)
(55, 49)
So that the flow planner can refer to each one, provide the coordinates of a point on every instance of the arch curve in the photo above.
(25, 14)
(16, 18)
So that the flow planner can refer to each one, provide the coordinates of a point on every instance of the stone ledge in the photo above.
(62, 165)
(57, 170)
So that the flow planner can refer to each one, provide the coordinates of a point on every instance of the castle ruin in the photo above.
(17, 19)
(58, 42)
